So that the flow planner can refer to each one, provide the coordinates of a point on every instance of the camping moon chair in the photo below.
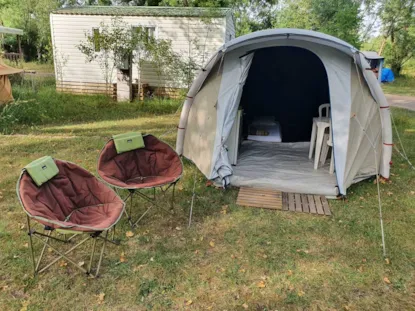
(69, 202)
(136, 162)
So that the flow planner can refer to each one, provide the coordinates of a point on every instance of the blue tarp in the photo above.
(387, 75)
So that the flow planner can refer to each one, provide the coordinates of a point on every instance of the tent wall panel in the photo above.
(202, 124)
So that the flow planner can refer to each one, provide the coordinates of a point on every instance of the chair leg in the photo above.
(102, 253)
(43, 249)
(332, 162)
(31, 245)
(313, 140)
(320, 135)
(94, 243)
(324, 149)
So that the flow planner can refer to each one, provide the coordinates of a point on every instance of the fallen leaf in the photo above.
(300, 293)
(289, 272)
(129, 234)
(122, 257)
(178, 228)
(25, 304)
(188, 302)
(26, 245)
(412, 192)
(387, 261)
(196, 251)
(264, 256)
(389, 193)
(245, 306)
(63, 263)
(386, 280)
(101, 297)
(152, 259)
(242, 270)
(223, 212)
(81, 263)
(261, 284)
(364, 260)
(212, 244)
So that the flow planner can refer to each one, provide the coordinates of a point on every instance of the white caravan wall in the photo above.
(69, 30)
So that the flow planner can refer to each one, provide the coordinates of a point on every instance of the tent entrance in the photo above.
(289, 84)
(285, 85)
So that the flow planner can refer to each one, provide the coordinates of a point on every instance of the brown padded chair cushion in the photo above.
(156, 164)
(74, 195)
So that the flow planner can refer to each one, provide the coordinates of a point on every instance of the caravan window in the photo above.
(146, 32)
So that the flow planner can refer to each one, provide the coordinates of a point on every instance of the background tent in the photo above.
(5, 86)
(287, 74)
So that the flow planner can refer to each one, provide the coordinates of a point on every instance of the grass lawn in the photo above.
(232, 258)
(405, 84)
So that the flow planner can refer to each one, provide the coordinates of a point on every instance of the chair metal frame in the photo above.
(46, 238)
(151, 199)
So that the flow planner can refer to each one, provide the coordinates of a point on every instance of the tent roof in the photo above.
(11, 31)
(372, 55)
(145, 11)
(288, 33)
(7, 70)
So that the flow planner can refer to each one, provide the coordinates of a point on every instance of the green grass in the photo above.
(36, 66)
(404, 84)
(306, 262)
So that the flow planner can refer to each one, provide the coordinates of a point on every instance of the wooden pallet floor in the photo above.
(262, 198)
(306, 203)
(277, 200)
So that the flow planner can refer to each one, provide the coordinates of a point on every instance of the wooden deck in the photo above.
(277, 200)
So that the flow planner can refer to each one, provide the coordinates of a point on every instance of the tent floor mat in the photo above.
(285, 201)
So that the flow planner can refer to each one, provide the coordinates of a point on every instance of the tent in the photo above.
(286, 74)
(5, 86)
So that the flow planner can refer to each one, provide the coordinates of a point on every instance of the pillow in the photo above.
(264, 120)
(42, 170)
(128, 141)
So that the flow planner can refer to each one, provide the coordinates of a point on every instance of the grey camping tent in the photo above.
(287, 74)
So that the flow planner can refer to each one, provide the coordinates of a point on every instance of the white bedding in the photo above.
(274, 133)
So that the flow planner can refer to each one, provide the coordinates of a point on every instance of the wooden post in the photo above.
(20, 48)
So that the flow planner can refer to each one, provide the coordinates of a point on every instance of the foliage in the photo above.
(398, 27)
(112, 45)
(33, 18)
(339, 18)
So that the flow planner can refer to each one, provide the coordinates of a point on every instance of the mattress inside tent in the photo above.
(282, 166)
(273, 133)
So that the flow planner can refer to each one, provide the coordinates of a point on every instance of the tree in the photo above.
(398, 28)
(250, 15)
(339, 18)
(109, 47)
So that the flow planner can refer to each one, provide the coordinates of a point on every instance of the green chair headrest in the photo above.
(42, 170)
(128, 141)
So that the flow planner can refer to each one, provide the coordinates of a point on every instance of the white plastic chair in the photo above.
(320, 124)
(321, 108)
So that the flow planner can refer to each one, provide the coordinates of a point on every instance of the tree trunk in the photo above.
(396, 69)
(185, 3)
